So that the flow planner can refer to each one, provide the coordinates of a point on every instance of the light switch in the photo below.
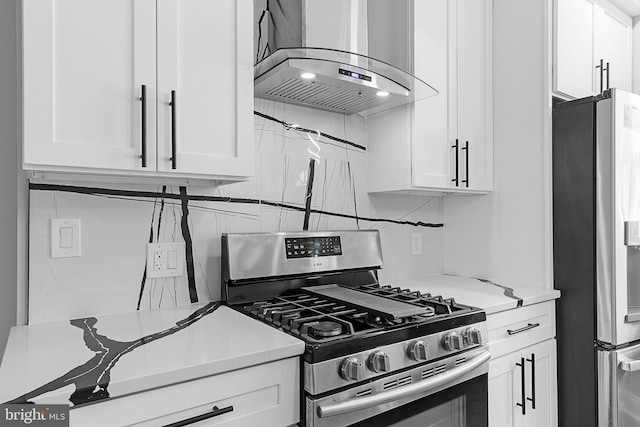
(172, 260)
(65, 237)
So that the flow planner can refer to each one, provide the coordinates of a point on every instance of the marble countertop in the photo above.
(85, 360)
(482, 293)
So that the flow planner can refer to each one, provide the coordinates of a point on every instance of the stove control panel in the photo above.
(309, 247)
(332, 374)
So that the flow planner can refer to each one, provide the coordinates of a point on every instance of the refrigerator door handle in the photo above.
(627, 364)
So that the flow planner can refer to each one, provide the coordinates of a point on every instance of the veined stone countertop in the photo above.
(85, 360)
(481, 293)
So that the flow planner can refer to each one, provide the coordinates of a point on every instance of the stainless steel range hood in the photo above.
(325, 73)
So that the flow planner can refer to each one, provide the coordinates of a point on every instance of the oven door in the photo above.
(448, 392)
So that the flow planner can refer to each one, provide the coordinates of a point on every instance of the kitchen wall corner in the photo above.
(506, 236)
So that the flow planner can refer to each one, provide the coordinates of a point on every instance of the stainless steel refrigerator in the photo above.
(596, 238)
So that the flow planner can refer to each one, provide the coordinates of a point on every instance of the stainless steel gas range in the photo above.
(375, 354)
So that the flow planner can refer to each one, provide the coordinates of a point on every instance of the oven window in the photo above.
(463, 405)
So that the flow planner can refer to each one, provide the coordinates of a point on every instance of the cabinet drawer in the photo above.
(521, 327)
(264, 395)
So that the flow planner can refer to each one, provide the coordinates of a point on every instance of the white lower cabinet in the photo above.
(536, 366)
(522, 371)
(265, 395)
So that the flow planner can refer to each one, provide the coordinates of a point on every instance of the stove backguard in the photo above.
(263, 265)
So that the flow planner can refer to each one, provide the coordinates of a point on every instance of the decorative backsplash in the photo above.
(310, 173)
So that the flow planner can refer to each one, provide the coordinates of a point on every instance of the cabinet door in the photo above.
(205, 56)
(430, 142)
(573, 48)
(84, 65)
(613, 45)
(473, 70)
(545, 413)
(505, 379)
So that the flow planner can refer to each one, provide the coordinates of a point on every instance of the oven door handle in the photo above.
(325, 411)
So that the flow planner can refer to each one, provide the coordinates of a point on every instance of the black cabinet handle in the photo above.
(532, 399)
(143, 100)
(466, 164)
(521, 365)
(214, 413)
(607, 70)
(601, 66)
(457, 162)
(526, 328)
(174, 154)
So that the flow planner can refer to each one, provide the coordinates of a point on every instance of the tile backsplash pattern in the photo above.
(118, 221)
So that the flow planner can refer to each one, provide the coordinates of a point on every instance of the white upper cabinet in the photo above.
(442, 143)
(592, 48)
(212, 86)
(86, 65)
(613, 46)
(473, 52)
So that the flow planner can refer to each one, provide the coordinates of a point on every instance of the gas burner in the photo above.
(325, 329)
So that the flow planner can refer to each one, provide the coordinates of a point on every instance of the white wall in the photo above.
(8, 169)
(505, 236)
(635, 66)
(107, 277)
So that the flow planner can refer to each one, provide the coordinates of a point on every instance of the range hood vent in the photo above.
(329, 42)
(343, 82)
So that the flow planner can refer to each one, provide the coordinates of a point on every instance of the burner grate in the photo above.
(437, 304)
(302, 313)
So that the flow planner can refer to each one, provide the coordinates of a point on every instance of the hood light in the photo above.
(382, 93)
(308, 76)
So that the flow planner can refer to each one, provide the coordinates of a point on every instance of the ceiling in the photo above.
(630, 7)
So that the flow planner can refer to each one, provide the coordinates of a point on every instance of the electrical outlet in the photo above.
(416, 243)
(163, 260)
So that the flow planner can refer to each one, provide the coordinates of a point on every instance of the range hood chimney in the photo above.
(318, 57)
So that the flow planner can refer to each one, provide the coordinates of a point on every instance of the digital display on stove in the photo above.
(309, 247)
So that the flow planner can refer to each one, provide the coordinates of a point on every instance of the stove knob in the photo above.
(452, 341)
(418, 351)
(473, 336)
(352, 369)
(379, 362)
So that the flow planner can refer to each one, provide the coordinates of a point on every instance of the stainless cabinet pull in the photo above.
(532, 399)
(174, 154)
(457, 161)
(521, 365)
(526, 328)
(607, 70)
(143, 100)
(466, 164)
(214, 413)
(601, 71)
